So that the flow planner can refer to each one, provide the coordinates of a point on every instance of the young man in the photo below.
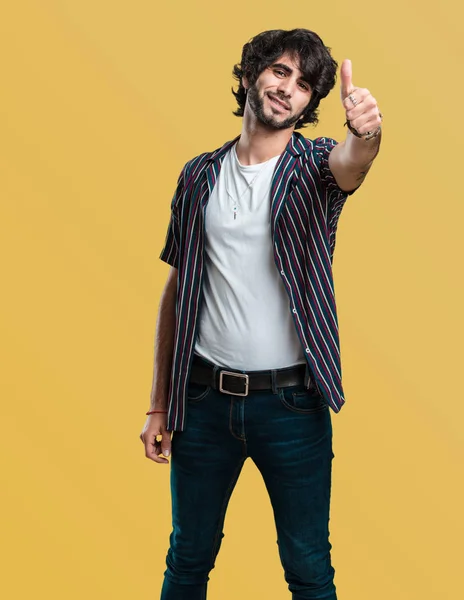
(247, 358)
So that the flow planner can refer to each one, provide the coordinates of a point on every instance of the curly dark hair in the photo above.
(315, 61)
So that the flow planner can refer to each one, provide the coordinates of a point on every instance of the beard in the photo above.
(257, 106)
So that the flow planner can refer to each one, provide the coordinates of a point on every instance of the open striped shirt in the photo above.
(305, 206)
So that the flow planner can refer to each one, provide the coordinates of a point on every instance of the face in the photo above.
(280, 95)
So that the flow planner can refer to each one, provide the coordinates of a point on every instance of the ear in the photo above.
(245, 82)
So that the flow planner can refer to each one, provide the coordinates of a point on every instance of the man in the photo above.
(247, 358)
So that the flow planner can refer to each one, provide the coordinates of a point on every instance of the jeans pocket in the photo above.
(302, 400)
(197, 392)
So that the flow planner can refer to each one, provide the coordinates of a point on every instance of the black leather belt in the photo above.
(239, 383)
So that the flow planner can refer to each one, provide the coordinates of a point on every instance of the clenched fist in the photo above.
(155, 427)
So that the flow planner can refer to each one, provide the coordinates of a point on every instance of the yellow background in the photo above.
(101, 105)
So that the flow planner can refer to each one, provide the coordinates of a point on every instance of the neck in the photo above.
(258, 142)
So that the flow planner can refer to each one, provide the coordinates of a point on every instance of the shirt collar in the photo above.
(295, 147)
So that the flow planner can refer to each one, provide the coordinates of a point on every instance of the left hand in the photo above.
(365, 116)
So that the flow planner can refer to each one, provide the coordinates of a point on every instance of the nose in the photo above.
(285, 87)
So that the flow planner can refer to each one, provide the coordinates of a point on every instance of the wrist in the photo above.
(352, 129)
(369, 135)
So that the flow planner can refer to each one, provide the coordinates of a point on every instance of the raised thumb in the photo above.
(345, 78)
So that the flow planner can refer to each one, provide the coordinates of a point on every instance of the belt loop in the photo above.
(307, 377)
(215, 381)
(273, 381)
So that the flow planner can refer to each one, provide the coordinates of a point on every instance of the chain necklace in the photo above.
(236, 202)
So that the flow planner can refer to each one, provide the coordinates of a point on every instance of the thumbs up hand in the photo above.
(362, 112)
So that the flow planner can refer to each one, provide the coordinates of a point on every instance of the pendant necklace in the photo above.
(235, 201)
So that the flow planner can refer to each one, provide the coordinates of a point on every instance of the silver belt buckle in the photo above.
(242, 375)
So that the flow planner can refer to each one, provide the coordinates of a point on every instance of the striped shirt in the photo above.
(305, 206)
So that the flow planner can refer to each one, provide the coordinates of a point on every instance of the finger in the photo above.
(362, 113)
(369, 126)
(368, 118)
(361, 95)
(153, 449)
(346, 78)
(166, 443)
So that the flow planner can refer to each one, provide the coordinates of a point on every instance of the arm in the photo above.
(156, 424)
(164, 343)
(351, 160)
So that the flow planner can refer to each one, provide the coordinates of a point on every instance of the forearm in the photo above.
(359, 155)
(164, 346)
(351, 160)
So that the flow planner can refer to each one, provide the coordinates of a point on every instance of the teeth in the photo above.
(278, 103)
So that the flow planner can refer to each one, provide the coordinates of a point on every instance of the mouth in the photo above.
(278, 103)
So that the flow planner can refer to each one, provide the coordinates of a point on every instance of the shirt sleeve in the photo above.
(170, 252)
(323, 147)
(335, 197)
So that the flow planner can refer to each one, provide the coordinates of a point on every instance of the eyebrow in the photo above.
(288, 70)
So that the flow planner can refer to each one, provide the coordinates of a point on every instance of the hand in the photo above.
(365, 116)
(155, 426)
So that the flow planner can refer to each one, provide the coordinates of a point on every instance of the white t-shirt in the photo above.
(245, 321)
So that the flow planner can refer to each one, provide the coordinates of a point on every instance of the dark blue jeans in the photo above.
(288, 435)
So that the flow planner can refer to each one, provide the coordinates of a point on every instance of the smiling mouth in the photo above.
(279, 103)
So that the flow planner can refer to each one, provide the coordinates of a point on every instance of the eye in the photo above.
(304, 86)
(279, 72)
